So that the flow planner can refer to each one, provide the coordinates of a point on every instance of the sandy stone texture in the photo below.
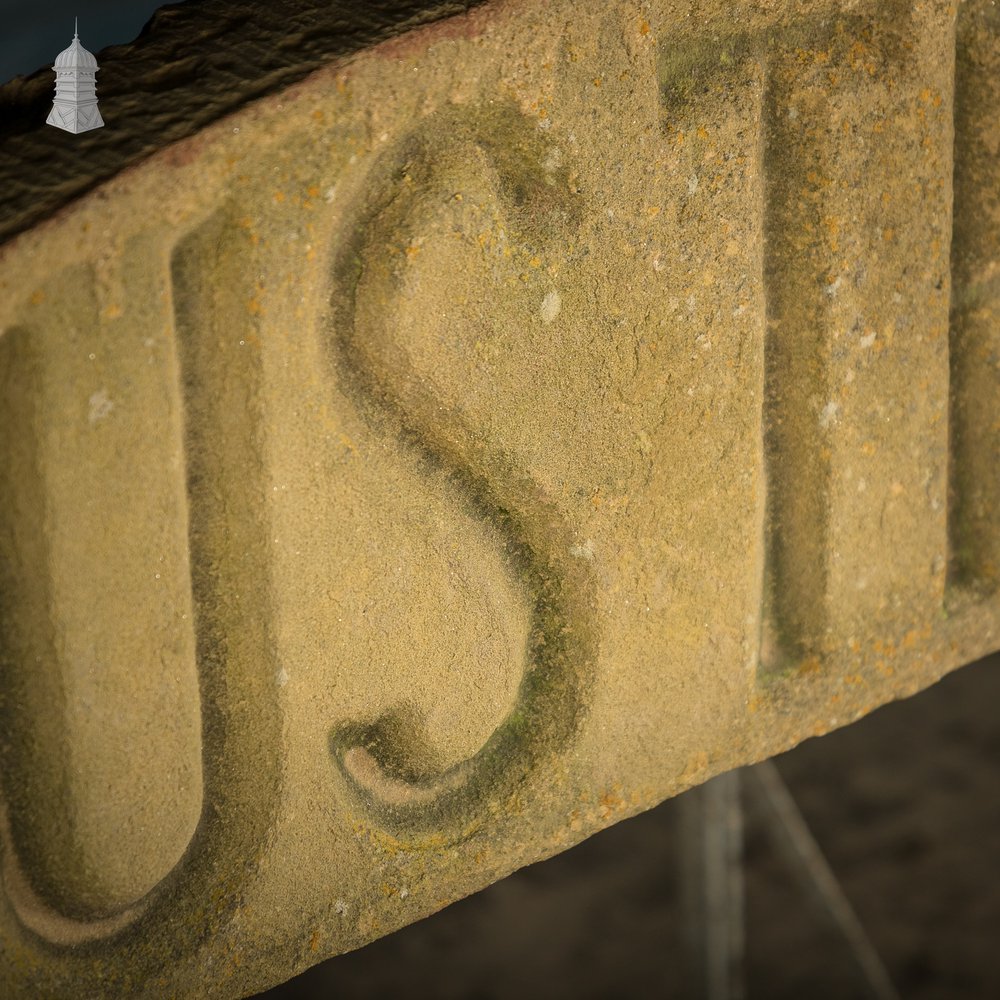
(474, 444)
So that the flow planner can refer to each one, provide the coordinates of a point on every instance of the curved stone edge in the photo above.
(190, 65)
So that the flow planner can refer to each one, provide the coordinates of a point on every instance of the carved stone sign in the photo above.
(471, 446)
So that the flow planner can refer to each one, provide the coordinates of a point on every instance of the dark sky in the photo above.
(34, 32)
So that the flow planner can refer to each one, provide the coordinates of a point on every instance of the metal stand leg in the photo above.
(712, 881)
(793, 838)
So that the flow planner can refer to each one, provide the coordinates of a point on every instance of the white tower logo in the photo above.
(75, 106)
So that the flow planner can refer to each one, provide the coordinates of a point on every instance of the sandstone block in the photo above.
(501, 430)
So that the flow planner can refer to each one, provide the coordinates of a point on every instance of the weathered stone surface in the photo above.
(472, 445)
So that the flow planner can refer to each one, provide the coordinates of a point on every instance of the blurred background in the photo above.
(905, 805)
(32, 34)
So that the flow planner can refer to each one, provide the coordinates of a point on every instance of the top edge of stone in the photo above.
(192, 64)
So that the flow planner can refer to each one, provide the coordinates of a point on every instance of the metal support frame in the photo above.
(712, 881)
